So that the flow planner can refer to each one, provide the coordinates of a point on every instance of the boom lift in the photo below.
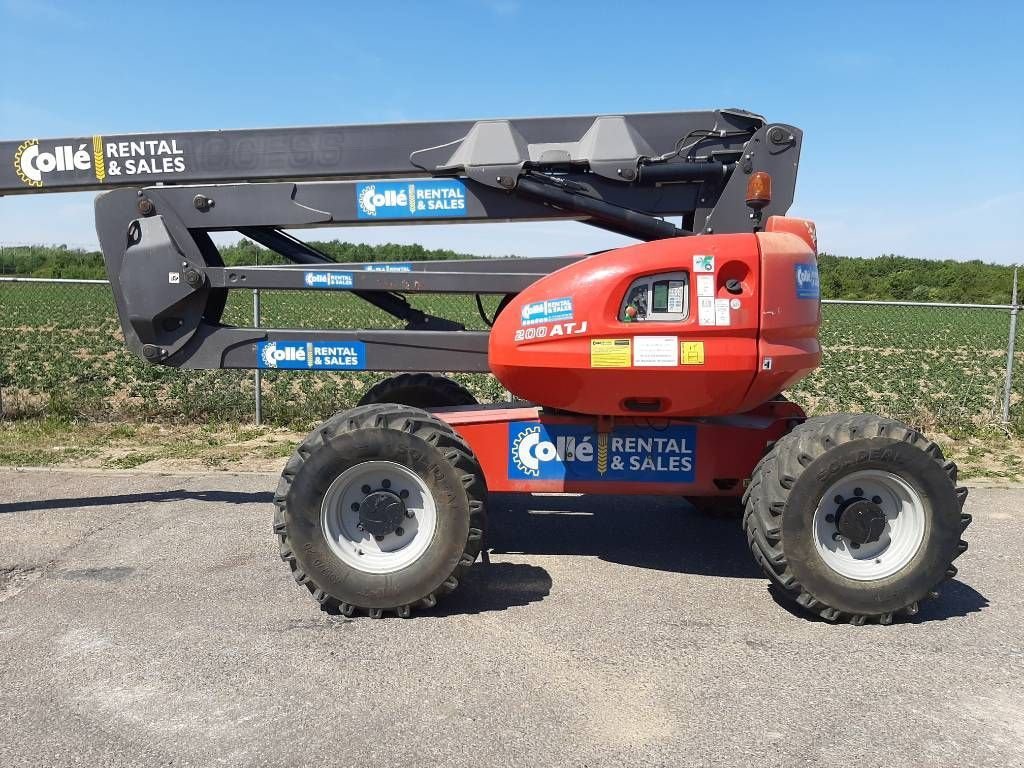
(651, 369)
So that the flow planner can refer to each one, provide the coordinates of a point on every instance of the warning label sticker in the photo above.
(650, 351)
(692, 352)
(610, 353)
(722, 316)
(706, 310)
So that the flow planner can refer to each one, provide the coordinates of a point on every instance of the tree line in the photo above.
(61, 261)
(892, 277)
(887, 277)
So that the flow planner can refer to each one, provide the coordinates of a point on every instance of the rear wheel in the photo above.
(380, 509)
(856, 517)
(419, 390)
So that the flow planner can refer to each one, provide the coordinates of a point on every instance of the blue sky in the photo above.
(913, 112)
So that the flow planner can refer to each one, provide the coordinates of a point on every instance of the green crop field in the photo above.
(939, 368)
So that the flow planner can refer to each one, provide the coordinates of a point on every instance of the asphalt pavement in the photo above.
(146, 620)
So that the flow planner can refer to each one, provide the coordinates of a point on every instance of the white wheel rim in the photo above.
(900, 541)
(361, 550)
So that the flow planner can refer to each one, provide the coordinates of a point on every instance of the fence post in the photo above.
(1008, 391)
(258, 377)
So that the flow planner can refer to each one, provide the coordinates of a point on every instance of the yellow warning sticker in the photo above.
(610, 353)
(692, 352)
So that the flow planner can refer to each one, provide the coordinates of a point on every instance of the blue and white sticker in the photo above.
(808, 285)
(311, 355)
(336, 280)
(569, 452)
(427, 199)
(404, 266)
(547, 311)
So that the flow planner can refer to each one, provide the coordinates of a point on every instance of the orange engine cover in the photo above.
(701, 326)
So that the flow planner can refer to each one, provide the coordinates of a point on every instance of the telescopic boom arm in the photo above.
(628, 173)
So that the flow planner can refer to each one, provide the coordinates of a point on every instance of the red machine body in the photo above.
(529, 450)
(702, 326)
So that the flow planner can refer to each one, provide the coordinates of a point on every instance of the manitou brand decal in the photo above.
(807, 282)
(430, 199)
(535, 332)
(547, 311)
(403, 267)
(35, 164)
(568, 452)
(328, 279)
(315, 355)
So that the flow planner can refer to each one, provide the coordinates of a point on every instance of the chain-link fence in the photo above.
(943, 367)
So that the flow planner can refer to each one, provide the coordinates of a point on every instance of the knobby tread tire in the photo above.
(773, 479)
(419, 390)
(455, 452)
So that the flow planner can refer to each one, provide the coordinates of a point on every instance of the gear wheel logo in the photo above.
(26, 171)
(523, 454)
(268, 354)
(366, 203)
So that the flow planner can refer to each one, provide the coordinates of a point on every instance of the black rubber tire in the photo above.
(418, 441)
(788, 483)
(419, 390)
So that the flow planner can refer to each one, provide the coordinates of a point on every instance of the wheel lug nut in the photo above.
(386, 484)
(830, 518)
(838, 499)
(399, 531)
(359, 526)
(366, 489)
(403, 494)
(355, 506)
(409, 513)
(858, 491)
(837, 536)
(379, 538)
(876, 499)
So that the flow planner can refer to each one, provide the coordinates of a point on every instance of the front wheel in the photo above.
(380, 509)
(856, 517)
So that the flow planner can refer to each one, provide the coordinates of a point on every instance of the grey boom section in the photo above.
(482, 149)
